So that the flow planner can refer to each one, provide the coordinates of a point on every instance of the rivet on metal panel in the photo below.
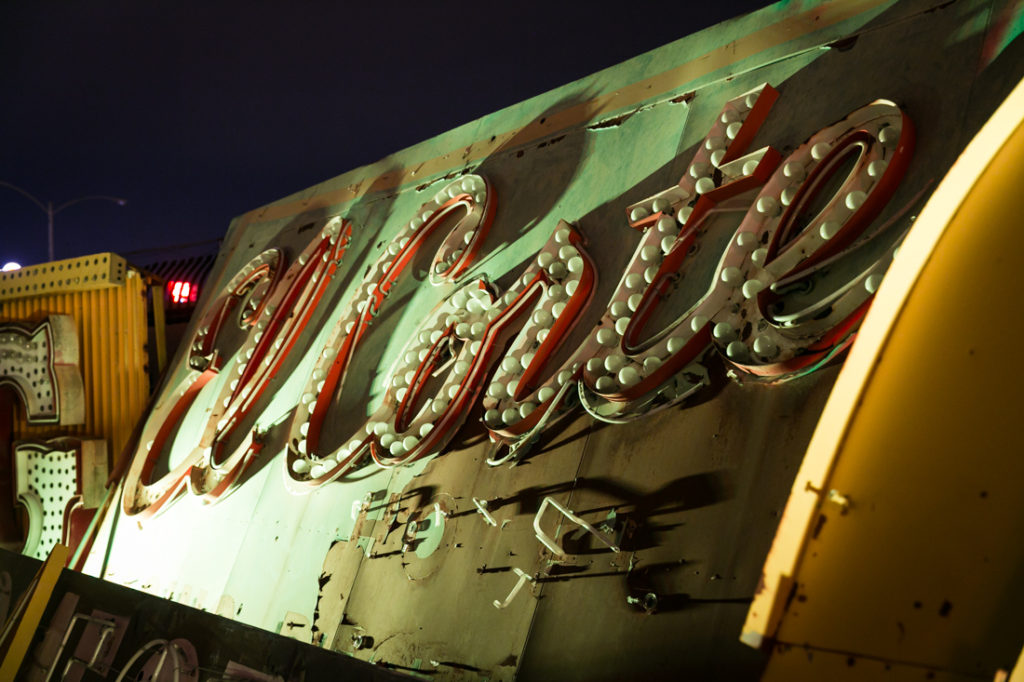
(361, 641)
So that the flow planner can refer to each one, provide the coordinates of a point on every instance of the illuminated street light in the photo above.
(50, 210)
(8, 267)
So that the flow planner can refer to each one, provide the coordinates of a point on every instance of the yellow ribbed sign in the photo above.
(108, 303)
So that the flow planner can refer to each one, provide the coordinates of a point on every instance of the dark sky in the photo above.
(196, 112)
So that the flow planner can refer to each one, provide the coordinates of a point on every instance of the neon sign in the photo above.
(780, 299)
(182, 292)
(60, 483)
(41, 365)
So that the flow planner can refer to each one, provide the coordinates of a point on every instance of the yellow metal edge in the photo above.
(159, 326)
(1017, 674)
(811, 484)
(25, 630)
(85, 273)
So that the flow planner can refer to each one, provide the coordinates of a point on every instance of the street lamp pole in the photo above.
(50, 210)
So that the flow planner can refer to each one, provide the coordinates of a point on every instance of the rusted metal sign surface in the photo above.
(573, 350)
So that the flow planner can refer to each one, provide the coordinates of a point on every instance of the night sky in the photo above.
(196, 112)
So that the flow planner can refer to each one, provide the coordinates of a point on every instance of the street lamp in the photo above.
(50, 210)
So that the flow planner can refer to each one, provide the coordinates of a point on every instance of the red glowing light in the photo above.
(182, 292)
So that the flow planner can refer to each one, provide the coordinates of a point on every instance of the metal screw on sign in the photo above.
(837, 498)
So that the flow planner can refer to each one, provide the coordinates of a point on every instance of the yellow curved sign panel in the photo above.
(899, 546)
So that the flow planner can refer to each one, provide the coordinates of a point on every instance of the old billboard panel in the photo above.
(528, 398)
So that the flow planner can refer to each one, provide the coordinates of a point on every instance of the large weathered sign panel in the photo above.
(530, 396)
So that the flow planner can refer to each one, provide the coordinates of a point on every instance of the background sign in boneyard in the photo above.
(91, 629)
(688, 495)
